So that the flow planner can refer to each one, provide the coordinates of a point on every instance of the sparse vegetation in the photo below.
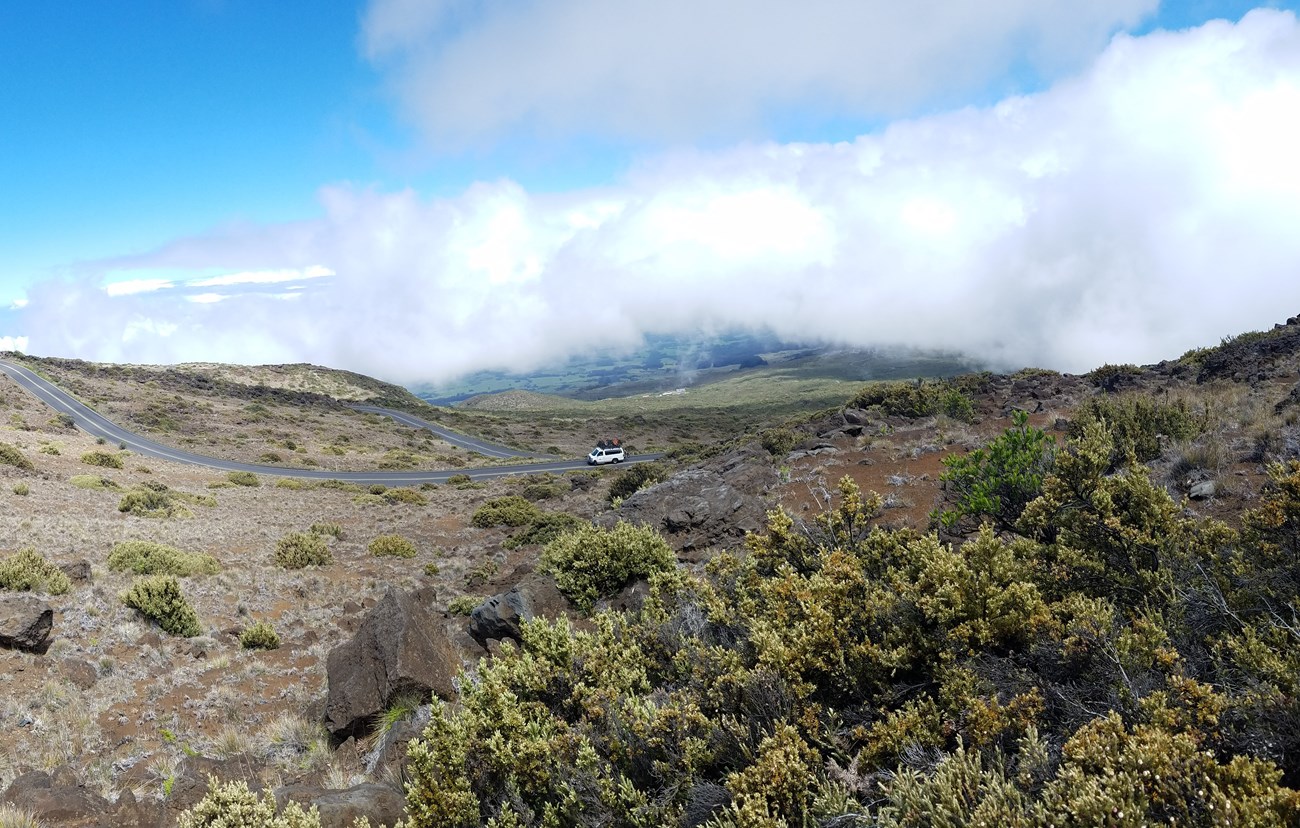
(302, 549)
(21, 489)
(93, 481)
(11, 456)
(159, 598)
(334, 530)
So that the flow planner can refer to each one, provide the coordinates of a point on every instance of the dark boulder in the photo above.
(56, 798)
(25, 623)
(501, 616)
(400, 648)
(381, 804)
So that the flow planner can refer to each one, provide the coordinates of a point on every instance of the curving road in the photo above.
(97, 425)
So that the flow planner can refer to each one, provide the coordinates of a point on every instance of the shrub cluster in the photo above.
(159, 598)
(243, 478)
(508, 510)
(26, 571)
(590, 562)
(300, 549)
(151, 558)
(151, 503)
(11, 456)
(922, 398)
(1137, 423)
(102, 459)
(394, 546)
(1106, 660)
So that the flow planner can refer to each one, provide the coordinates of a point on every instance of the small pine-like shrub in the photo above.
(26, 571)
(590, 562)
(299, 549)
(510, 510)
(233, 805)
(102, 459)
(394, 546)
(259, 636)
(998, 481)
(150, 558)
(159, 598)
(11, 456)
(243, 478)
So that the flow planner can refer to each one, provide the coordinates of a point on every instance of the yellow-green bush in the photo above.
(93, 481)
(151, 558)
(590, 562)
(403, 495)
(153, 504)
(509, 510)
(391, 545)
(243, 478)
(159, 598)
(233, 805)
(102, 459)
(259, 636)
(300, 549)
(11, 456)
(26, 571)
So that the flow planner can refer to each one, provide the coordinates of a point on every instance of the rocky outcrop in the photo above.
(56, 798)
(25, 623)
(381, 804)
(400, 648)
(501, 616)
(712, 505)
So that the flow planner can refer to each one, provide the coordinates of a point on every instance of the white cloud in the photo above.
(130, 286)
(1145, 207)
(467, 70)
(206, 298)
(18, 304)
(13, 343)
(263, 277)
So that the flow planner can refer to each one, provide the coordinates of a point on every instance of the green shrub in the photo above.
(159, 598)
(543, 529)
(152, 504)
(270, 457)
(334, 530)
(393, 546)
(243, 478)
(21, 489)
(292, 484)
(93, 481)
(150, 558)
(1138, 423)
(50, 449)
(11, 456)
(778, 442)
(102, 459)
(464, 604)
(26, 571)
(259, 636)
(232, 805)
(534, 492)
(402, 495)
(431, 569)
(590, 562)
(299, 549)
(508, 510)
(633, 480)
(377, 489)
(998, 481)
(341, 485)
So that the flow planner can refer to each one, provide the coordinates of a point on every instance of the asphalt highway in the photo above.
(95, 424)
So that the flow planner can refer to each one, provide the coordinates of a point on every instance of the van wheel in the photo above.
(618, 459)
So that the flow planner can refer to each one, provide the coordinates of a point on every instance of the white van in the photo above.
(606, 452)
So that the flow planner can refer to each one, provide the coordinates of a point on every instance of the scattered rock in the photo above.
(80, 673)
(500, 616)
(25, 623)
(400, 647)
(381, 804)
(78, 571)
(1203, 490)
(57, 798)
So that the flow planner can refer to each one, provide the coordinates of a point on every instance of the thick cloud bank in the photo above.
(1144, 207)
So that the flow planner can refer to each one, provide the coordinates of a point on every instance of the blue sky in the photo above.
(261, 182)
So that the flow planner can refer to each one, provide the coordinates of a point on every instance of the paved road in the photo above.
(95, 424)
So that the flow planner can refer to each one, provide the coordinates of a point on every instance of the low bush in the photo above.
(591, 562)
(920, 398)
(633, 480)
(334, 530)
(150, 558)
(408, 496)
(508, 510)
(259, 636)
(102, 459)
(26, 571)
(464, 604)
(1138, 424)
(997, 482)
(543, 529)
(21, 489)
(233, 805)
(300, 549)
(243, 478)
(778, 442)
(11, 456)
(152, 504)
(159, 598)
(93, 481)
(394, 546)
